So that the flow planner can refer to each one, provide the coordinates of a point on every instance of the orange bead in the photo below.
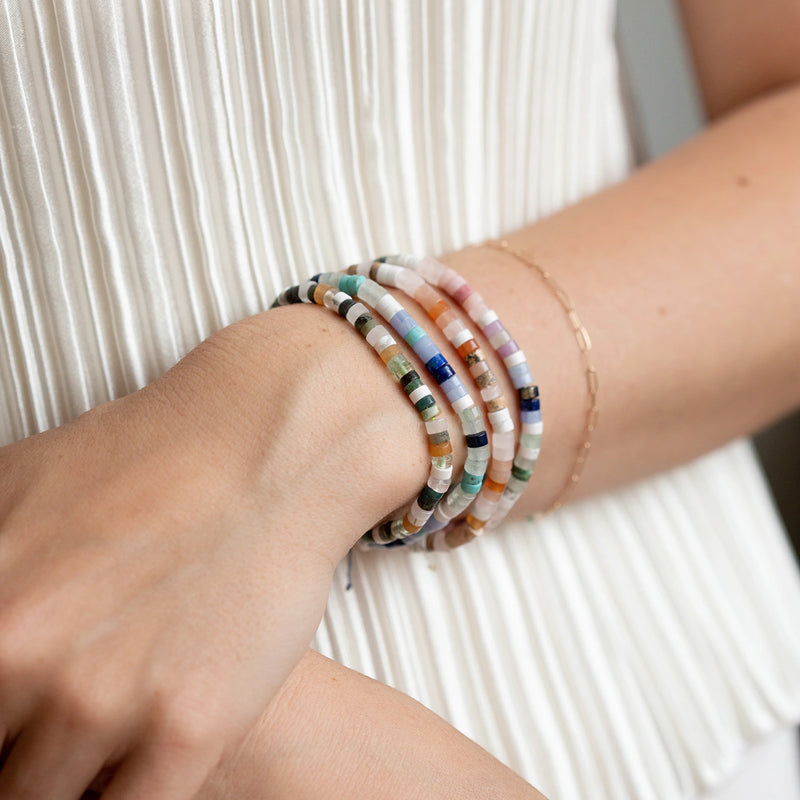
(494, 486)
(409, 525)
(470, 346)
(438, 308)
(319, 293)
(475, 524)
(441, 449)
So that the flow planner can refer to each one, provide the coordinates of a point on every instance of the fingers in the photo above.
(167, 774)
(46, 763)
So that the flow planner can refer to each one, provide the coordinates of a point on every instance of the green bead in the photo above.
(412, 386)
(399, 366)
(521, 474)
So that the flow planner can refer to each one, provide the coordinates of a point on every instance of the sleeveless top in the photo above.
(168, 167)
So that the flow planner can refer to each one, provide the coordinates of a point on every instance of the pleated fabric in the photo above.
(168, 167)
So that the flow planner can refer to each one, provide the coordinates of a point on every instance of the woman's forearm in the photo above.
(331, 732)
(687, 276)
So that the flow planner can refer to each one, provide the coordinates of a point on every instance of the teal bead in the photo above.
(414, 335)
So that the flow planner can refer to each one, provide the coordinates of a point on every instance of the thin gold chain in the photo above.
(585, 345)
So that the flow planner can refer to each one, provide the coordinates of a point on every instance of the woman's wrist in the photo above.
(294, 398)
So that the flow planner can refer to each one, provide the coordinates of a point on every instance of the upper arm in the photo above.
(742, 48)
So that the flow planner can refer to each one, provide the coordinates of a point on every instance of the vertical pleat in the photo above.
(167, 167)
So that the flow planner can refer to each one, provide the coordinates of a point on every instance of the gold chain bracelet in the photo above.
(585, 345)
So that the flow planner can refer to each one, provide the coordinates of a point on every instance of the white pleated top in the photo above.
(168, 167)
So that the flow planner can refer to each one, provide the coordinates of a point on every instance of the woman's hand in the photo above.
(147, 613)
(165, 559)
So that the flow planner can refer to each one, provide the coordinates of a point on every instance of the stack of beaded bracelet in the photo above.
(502, 449)
(383, 343)
(508, 478)
(357, 284)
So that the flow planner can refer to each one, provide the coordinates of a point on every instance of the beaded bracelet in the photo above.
(357, 284)
(510, 478)
(402, 369)
(462, 339)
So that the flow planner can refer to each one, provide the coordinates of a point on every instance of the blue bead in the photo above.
(477, 439)
(435, 362)
(442, 373)
(426, 349)
(402, 322)
(529, 405)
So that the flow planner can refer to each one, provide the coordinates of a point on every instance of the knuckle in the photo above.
(22, 660)
(85, 704)
(185, 725)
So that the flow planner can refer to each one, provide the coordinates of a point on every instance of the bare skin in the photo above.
(693, 306)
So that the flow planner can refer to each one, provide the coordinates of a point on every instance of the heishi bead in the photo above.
(466, 345)
(333, 296)
(516, 364)
(436, 364)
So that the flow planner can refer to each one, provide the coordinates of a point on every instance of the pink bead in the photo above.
(476, 307)
(450, 281)
(430, 269)
(409, 282)
(443, 320)
(461, 295)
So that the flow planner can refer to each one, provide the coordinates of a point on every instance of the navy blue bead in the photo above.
(435, 362)
(477, 439)
(316, 277)
(443, 373)
(529, 405)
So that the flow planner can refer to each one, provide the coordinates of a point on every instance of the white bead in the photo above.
(463, 403)
(438, 425)
(462, 336)
(419, 393)
(355, 312)
(487, 319)
(442, 474)
(303, 288)
(515, 358)
(503, 445)
(377, 333)
(387, 306)
(500, 338)
(501, 421)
